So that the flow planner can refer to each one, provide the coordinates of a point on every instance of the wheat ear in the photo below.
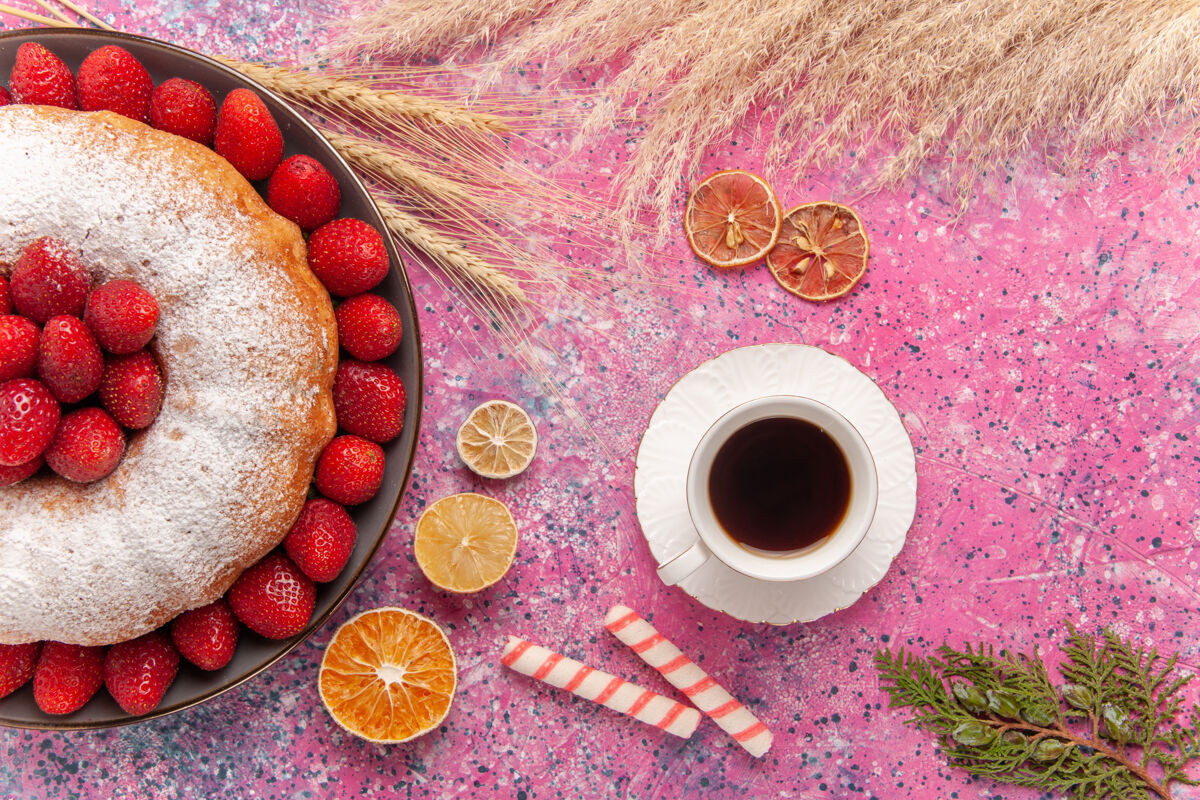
(451, 255)
(378, 104)
(374, 158)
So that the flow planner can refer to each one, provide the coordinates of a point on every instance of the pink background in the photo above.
(1041, 351)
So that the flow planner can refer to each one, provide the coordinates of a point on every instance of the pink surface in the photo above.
(1041, 351)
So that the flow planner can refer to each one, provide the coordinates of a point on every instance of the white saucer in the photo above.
(714, 387)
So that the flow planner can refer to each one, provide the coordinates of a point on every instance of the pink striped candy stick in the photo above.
(654, 648)
(599, 687)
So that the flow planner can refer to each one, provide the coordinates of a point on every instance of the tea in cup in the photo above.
(780, 488)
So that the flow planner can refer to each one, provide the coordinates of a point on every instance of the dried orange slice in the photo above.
(497, 440)
(822, 251)
(465, 542)
(388, 675)
(732, 218)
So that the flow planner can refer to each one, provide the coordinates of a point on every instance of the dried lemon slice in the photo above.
(822, 251)
(732, 218)
(388, 675)
(465, 542)
(497, 440)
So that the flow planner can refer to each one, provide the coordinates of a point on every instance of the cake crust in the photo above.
(248, 344)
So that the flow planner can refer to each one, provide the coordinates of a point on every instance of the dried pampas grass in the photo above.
(964, 83)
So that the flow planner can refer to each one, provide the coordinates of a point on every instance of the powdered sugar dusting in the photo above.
(246, 405)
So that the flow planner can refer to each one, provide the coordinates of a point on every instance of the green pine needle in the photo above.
(1112, 730)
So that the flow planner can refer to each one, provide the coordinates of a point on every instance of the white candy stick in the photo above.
(599, 687)
(654, 648)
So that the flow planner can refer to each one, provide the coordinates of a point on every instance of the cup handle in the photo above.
(684, 564)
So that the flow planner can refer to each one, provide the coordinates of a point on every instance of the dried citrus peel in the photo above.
(732, 218)
(829, 234)
(388, 675)
(497, 440)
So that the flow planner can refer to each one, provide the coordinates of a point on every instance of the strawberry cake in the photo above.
(246, 339)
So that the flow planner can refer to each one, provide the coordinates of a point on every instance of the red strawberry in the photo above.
(111, 79)
(350, 470)
(122, 315)
(17, 662)
(66, 676)
(87, 446)
(139, 672)
(132, 389)
(369, 400)
(41, 78)
(69, 360)
(348, 256)
(5, 97)
(6, 305)
(304, 191)
(184, 108)
(206, 636)
(48, 280)
(368, 327)
(14, 475)
(247, 135)
(18, 347)
(273, 598)
(321, 540)
(29, 415)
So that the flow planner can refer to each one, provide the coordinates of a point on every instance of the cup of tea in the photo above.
(780, 488)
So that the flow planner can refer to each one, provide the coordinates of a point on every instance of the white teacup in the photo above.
(790, 565)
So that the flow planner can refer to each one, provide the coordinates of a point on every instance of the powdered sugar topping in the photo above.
(244, 363)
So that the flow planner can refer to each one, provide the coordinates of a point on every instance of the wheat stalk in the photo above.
(29, 16)
(388, 165)
(464, 207)
(380, 106)
(451, 255)
(83, 12)
(54, 11)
